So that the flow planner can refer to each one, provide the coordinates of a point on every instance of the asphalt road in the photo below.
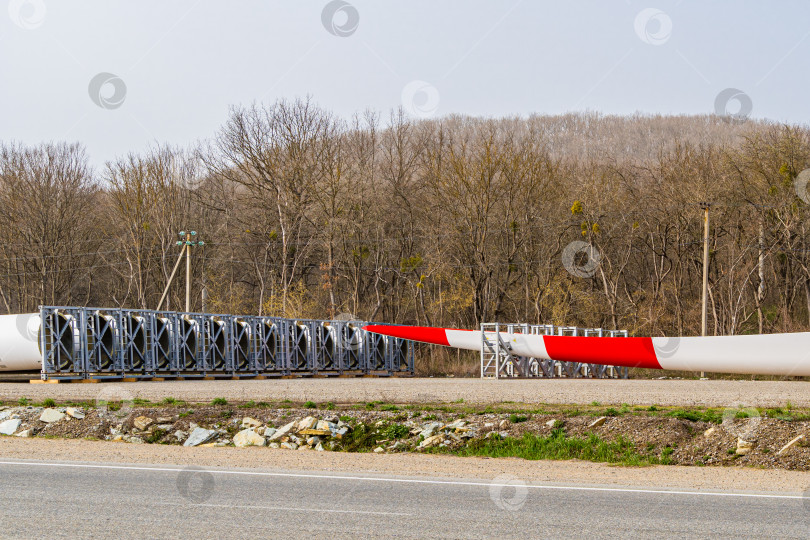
(60, 500)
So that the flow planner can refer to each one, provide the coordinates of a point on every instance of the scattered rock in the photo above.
(310, 432)
(8, 427)
(288, 446)
(504, 424)
(164, 419)
(248, 437)
(744, 447)
(551, 423)
(199, 436)
(313, 441)
(75, 413)
(790, 445)
(598, 422)
(431, 441)
(269, 431)
(25, 433)
(379, 450)
(319, 448)
(307, 423)
(281, 432)
(142, 422)
(709, 432)
(428, 430)
(51, 415)
(341, 432)
(458, 424)
(250, 422)
(273, 445)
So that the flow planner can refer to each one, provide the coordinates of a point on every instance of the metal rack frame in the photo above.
(98, 343)
(498, 362)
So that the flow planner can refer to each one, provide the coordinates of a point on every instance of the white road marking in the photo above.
(402, 480)
(289, 509)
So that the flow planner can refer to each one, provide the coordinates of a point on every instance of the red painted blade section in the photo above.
(610, 351)
(425, 334)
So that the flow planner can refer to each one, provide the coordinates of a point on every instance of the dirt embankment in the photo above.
(629, 435)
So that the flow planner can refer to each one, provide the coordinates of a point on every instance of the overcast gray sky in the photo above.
(173, 67)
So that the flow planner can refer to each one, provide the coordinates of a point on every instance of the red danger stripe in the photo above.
(609, 351)
(425, 334)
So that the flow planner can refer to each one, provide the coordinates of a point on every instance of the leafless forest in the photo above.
(446, 222)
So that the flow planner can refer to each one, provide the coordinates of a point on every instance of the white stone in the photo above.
(280, 432)
(199, 436)
(709, 432)
(551, 423)
(142, 422)
(307, 423)
(51, 415)
(504, 424)
(8, 427)
(598, 422)
(319, 448)
(744, 447)
(431, 441)
(248, 437)
(250, 422)
(428, 430)
(273, 445)
(24, 433)
(379, 450)
(790, 445)
(313, 441)
(74, 413)
(288, 445)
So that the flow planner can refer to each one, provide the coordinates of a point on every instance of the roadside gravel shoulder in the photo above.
(409, 465)
(429, 390)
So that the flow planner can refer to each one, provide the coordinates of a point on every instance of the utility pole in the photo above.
(187, 244)
(704, 313)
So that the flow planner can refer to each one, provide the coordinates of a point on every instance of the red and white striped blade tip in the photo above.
(425, 334)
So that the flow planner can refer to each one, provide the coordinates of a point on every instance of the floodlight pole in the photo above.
(704, 310)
